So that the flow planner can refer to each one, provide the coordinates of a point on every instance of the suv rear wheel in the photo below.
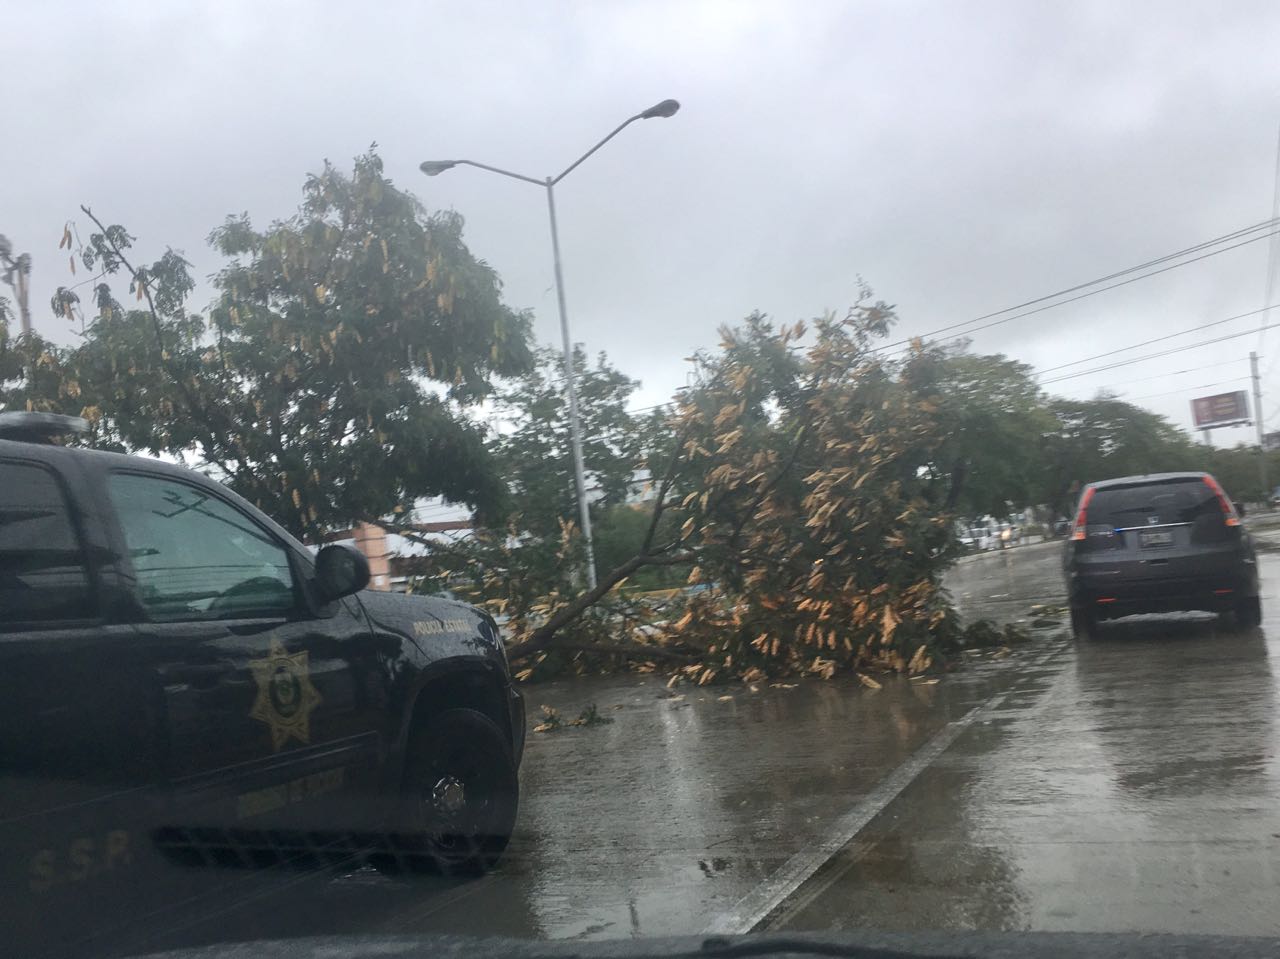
(1249, 612)
(1084, 621)
(459, 795)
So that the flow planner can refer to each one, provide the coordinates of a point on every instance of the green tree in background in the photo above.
(330, 381)
(535, 557)
(995, 420)
(1106, 437)
(1236, 468)
(534, 450)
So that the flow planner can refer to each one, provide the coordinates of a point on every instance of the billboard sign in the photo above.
(1220, 410)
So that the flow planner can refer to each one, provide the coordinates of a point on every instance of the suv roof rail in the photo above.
(39, 427)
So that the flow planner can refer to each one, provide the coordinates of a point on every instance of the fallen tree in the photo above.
(797, 484)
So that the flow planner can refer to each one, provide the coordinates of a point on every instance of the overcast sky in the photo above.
(959, 157)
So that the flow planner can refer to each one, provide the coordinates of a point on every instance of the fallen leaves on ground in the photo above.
(550, 720)
(590, 716)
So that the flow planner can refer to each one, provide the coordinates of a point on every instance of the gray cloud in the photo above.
(960, 158)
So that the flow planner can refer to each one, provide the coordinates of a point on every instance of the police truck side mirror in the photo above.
(1239, 509)
(341, 571)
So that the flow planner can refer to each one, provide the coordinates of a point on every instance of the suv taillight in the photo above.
(1229, 517)
(1077, 531)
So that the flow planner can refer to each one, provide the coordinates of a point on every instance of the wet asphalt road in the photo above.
(1125, 784)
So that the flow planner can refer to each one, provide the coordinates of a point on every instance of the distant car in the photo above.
(1159, 543)
(181, 680)
(977, 537)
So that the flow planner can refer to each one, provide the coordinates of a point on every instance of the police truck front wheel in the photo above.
(459, 795)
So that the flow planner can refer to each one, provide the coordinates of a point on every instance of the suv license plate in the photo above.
(1156, 538)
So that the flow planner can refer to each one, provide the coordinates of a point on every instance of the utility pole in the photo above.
(1257, 418)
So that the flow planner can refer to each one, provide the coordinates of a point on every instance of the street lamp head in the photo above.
(436, 167)
(667, 108)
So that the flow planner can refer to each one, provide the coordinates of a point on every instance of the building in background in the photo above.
(393, 559)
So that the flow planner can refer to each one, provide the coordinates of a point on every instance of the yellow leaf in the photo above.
(321, 292)
(920, 661)
(869, 682)
(297, 499)
(889, 623)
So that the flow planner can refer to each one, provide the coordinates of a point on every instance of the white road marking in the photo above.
(755, 907)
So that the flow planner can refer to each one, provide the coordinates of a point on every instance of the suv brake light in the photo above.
(1077, 531)
(1229, 517)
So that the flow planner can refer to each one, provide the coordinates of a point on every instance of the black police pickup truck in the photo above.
(183, 681)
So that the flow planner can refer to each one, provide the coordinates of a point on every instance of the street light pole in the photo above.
(571, 387)
(666, 108)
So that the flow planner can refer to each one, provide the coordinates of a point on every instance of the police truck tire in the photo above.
(459, 795)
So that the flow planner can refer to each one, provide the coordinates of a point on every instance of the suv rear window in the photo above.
(42, 573)
(1150, 504)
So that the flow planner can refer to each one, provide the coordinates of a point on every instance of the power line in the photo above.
(1185, 389)
(1266, 224)
(1152, 356)
(1158, 339)
(1193, 369)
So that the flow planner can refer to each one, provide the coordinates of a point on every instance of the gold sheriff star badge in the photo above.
(285, 694)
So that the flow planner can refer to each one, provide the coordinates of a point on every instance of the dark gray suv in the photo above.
(1159, 543)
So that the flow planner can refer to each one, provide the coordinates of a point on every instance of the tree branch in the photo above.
(769, 487)
(542, 637)
(663, 489)
(638, 650)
